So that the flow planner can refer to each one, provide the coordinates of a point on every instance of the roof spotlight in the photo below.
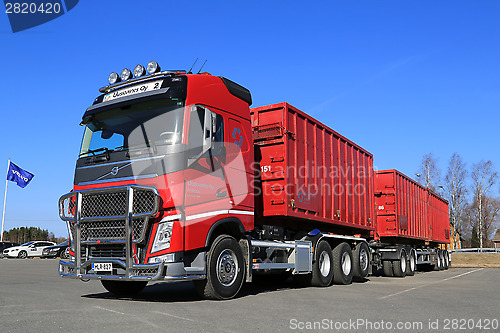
(126, 74)
(139, 71)
(113, 78)
(153, 67)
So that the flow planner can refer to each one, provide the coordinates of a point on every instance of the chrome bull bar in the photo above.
(72, 211)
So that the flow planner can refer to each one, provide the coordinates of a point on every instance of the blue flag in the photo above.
(18, 175)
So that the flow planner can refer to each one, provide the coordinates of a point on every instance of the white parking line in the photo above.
(428, 284)
(129, 315)
(191, 320)
(100, 307)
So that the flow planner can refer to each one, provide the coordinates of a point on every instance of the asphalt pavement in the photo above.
(33, 298)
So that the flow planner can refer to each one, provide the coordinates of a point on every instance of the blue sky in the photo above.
(400, 78)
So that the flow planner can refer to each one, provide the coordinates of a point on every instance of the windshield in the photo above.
(65, 243)
(147, 124)
(26, 244)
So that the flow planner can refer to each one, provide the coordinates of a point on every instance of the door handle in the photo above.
(221, 192)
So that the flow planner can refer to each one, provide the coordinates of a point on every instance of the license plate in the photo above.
(102, 267)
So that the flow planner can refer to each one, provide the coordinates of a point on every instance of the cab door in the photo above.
(206, 195)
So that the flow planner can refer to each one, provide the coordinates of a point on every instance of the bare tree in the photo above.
(483, 178)
(429, 173)
(456, 190)
(490, 215)
(491, 219)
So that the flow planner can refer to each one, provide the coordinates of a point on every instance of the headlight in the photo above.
(113, 78)
(126, 74)
(139, 71)
(153, 67)
(164, 233)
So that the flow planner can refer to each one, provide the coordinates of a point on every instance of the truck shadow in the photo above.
(185, 291)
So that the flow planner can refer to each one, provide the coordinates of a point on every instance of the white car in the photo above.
(30, 249)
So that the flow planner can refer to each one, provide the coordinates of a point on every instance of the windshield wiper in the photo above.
(90, 151)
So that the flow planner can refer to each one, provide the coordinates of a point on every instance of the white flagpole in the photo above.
(5, 199)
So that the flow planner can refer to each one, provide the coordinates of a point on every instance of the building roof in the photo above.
(496, 239)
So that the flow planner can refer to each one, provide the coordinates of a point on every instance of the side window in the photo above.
(196, 126)
(218, 128)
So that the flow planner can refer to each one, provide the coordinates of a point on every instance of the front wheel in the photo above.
(123, 288)
(225, 270)
(22, 255)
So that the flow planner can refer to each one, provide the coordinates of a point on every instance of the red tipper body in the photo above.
(407, 212)
(310, 173)
(439, 219)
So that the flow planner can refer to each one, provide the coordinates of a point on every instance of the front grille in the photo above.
(110, 230)
(114, 203)
(107, 251)
(103, 213)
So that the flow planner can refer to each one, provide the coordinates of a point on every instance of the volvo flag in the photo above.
(18, 175)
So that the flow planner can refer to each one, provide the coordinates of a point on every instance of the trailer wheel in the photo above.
(342, 264)
(124, 288)
(225, 270)
(441, 258)
(361, 259)
(438, 265)
(322, 270)
(387, 268)
(412, 263)
(399, 266)
(447, 259)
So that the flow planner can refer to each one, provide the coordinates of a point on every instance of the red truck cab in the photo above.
(165, 167)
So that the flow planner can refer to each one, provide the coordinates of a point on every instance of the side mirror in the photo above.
(106, 134)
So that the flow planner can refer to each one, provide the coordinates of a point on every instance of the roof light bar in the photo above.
(126, 74)
(113, 78)
(139, 71)
(153, 67)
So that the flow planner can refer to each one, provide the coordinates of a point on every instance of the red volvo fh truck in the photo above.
(178, 179)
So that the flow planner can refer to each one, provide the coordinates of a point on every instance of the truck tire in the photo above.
(361, 260)
(447, 258)
(441, 257)
(438, 263)
(322, 270)
(342, 264)
(387, 268)
(225, 270)
(412, 263)
(124, 288)
(399, 266)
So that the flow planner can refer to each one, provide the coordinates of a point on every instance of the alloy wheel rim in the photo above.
(227, 267)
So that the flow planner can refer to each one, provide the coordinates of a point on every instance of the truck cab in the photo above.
(164, 168)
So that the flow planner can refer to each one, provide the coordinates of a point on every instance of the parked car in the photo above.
(58, 250)
(30, 249)
(6, 245)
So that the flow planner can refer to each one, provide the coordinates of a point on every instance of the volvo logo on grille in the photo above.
(114, 171)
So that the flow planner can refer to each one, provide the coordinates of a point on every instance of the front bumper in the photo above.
(145, 272)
